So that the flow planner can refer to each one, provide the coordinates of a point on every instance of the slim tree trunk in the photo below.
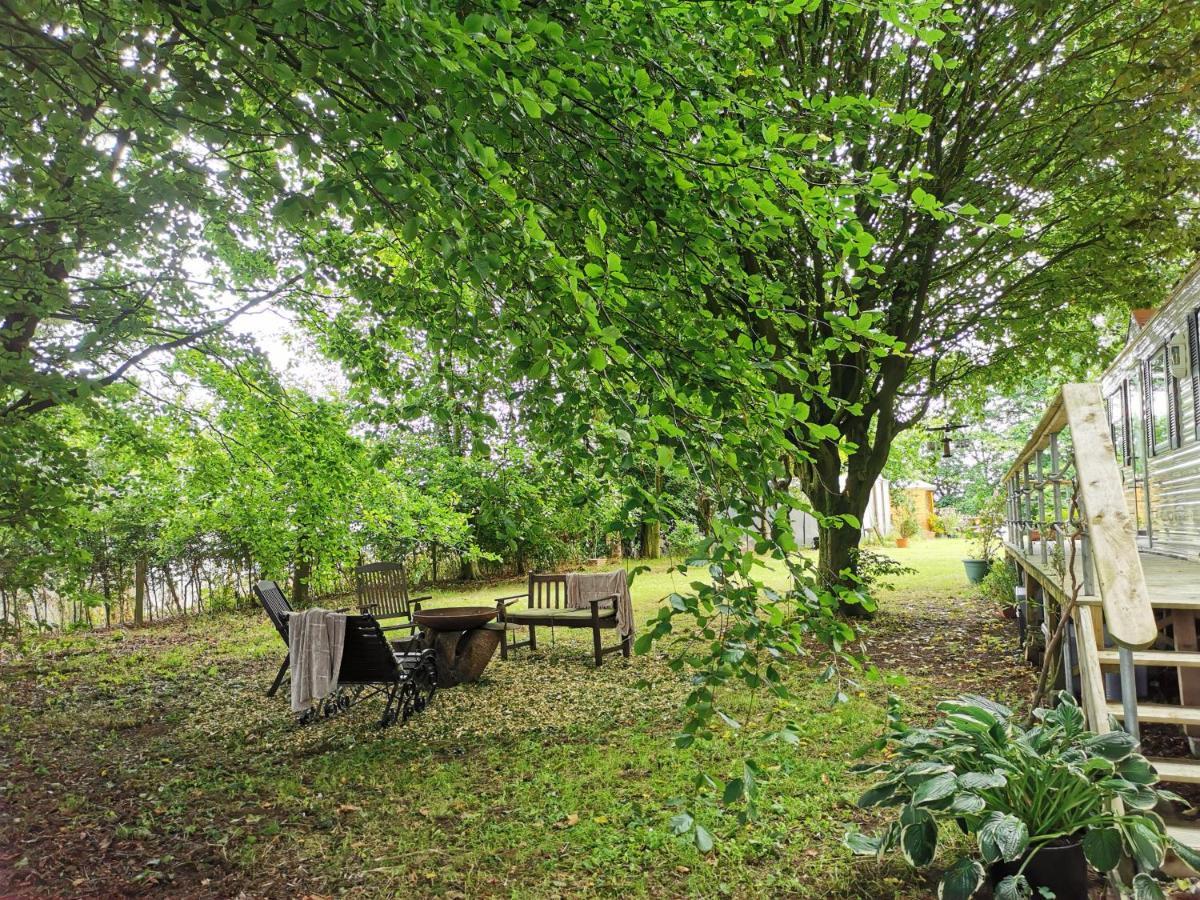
(139, 592)
(300, 578)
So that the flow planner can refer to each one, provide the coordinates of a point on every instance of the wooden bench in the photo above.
(546, 598)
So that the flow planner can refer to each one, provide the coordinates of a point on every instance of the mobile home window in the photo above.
(1164, 432)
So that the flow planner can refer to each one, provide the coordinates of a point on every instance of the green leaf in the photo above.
(861, 844)
(1143, 842)
(597, 360)
(918, 842)
(878, 794)
(1112, 745)
(1146, 888)
(704, 840)
(961, 880)
(935, 789)
(530, 104)
(1184, 852)
(681, 823)
(1102, 847)
(980, 781)
(967, 804)
(1002, 836)
(734, 788)
(1013, 887)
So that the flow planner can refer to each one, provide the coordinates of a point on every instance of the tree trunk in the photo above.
(139, 591)
(821, 479)
(300, 578)
(651, 537)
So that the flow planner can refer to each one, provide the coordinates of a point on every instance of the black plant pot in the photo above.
(1059, 867)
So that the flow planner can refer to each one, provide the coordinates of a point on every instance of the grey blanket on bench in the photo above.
(585, 586)
(315, 642)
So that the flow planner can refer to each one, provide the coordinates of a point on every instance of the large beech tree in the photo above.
(1055, 177)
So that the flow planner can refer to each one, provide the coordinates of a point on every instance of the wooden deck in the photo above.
(1171, 583)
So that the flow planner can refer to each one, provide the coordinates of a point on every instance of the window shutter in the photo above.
(1194, 359)
(1173, 433)
(1147, 409)
(1126, 427)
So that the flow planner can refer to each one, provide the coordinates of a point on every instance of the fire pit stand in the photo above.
(463, 640)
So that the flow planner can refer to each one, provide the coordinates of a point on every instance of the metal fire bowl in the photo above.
(455, 618)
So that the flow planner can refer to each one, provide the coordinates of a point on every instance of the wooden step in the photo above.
(1185, 659)
(1179, 603)
(1186, 771)
(1160, 712)
(1185, 832)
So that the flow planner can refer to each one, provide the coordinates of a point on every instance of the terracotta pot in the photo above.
(901, 543)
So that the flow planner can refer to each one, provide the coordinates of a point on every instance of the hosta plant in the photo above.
(1015, 790)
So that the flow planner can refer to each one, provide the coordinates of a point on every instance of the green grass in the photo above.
(152, 758)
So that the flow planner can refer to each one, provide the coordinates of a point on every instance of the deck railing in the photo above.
(1067, 519)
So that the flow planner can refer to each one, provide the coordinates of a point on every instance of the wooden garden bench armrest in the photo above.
(403, 625)
(511, 599)
(421, 599)
(613, 597)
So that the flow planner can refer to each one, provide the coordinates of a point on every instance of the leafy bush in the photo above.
(951, 520)
(984, 530)
(684, 539)
(1016, 790)
(875, 571)
(905, 515)
(999, 585)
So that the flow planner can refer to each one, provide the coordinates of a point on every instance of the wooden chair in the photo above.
(382, 590)
(547, 605)
(278, 609)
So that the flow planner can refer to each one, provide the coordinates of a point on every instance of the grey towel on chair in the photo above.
(585, 586)
(315, 641)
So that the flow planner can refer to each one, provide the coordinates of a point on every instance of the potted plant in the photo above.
(1038, 801)
(986, 540)
(937, 526)
(905, 516)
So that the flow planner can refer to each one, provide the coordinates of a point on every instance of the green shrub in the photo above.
(999, 584)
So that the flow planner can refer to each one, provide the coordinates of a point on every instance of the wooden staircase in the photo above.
(1074, 544)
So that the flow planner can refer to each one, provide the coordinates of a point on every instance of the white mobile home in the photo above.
(1152, 396)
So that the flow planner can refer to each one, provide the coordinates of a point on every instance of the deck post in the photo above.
(1041, 498)
(1056, 475)
(1128, 691)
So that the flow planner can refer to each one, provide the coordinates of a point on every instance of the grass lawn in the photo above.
(151, 761)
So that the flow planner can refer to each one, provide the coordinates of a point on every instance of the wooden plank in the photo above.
(1169, 658)
(1090, 679)
(1184, 630)
(1160, 712)
(1184, 771)
(1127, 611)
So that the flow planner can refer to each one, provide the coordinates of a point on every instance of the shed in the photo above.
(921, 493)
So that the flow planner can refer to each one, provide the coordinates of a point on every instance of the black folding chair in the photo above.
(371, 666)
